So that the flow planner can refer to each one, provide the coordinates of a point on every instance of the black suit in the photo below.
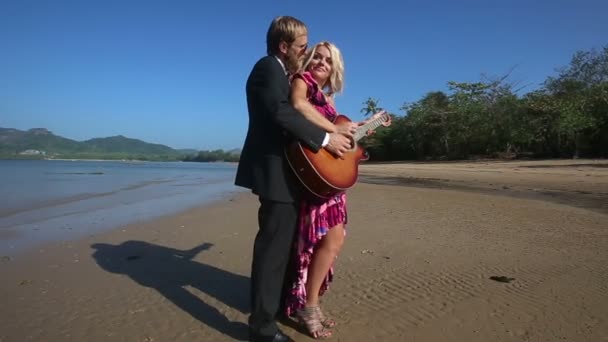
(264, 170)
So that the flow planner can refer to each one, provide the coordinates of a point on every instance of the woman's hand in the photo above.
(386, 122)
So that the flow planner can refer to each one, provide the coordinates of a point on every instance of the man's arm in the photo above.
(266, 83)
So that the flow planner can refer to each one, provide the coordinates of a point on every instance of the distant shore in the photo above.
(582, 182)
(462, 251)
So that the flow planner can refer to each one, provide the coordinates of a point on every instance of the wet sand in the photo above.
(469, 251)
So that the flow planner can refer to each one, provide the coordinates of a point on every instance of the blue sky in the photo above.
(173, 72)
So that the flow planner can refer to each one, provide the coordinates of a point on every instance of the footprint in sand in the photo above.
(502, 279)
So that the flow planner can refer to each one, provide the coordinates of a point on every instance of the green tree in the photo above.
(371, 106)
(579, 98)
(568, 116)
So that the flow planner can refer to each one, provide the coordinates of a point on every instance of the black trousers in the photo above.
(271, 254)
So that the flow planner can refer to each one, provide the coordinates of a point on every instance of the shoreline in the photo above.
(71, 231)
(71, 199)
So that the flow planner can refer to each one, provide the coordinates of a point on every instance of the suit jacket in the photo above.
(273, 121)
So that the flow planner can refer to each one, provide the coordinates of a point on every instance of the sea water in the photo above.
(45, 200)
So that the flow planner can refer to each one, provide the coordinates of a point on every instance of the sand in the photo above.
(424, 241)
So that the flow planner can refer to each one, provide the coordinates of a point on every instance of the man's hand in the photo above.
(347, 128)
(338, 144)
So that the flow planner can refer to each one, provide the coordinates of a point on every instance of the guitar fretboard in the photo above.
(362, 130)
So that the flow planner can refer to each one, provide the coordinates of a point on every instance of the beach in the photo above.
(450, 251)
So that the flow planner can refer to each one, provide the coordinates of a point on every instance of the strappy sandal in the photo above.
(309, 318)
(327, 322)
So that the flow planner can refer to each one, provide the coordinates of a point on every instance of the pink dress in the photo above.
(316, 218)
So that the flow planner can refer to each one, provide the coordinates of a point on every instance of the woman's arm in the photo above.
(300, 102)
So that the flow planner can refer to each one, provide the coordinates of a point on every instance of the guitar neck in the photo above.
(362, 130)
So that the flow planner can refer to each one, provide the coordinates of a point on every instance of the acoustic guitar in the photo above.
(323, 173)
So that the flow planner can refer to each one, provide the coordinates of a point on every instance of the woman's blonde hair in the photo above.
(335, 83)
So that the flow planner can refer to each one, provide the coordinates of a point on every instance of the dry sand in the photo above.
(422, 244)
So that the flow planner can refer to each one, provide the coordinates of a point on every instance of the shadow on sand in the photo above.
(169, 270)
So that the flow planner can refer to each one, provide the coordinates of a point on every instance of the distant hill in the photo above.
(215, 156)
(15, 141)
(123, 144)
(187, 151)
(192, 152)
(234, 152)
(42, 143)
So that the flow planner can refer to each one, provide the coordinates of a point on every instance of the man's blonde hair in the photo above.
(335, 83)
(283, 28)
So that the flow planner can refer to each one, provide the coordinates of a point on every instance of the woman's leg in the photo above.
(322, 259)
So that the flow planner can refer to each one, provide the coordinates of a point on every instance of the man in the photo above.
(264, 169)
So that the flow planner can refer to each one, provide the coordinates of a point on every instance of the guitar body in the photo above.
(322, 173)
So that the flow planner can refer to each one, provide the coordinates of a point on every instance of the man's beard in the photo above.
(293, 63)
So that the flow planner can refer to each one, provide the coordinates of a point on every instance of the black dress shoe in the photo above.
(278, 337)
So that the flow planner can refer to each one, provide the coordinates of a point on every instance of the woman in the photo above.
(321, 228)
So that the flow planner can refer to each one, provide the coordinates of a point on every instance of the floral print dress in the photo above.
(316, 218)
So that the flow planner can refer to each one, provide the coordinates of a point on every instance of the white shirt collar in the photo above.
(282, 65)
